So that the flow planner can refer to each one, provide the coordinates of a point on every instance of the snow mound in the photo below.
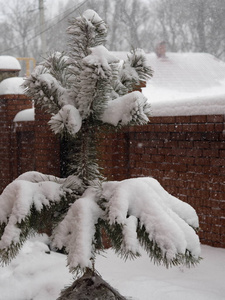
(12, 86)
(9, 63)
(25, 115)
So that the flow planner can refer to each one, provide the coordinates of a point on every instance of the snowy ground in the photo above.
(36, 275)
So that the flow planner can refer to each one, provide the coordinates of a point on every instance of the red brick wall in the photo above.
(47, 146)
(22, 148)
(25, 146)
(187, 156)
(10, 105)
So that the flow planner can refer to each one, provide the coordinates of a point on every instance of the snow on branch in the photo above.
(128, 109)
(77, 231)
(22, 201)
(71, 182)
(16, 202)
(101, 58)
(67, 118)
(142, 205)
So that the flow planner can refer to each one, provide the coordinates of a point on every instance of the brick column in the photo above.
(47, 145)
(10, 105)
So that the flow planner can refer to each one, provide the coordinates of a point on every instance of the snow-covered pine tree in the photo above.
(86, 89)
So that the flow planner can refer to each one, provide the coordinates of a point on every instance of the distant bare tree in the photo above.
(192, 25)
(18, 28)
(185, 25)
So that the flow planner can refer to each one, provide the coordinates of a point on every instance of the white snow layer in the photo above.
(29, 189)
(9, 63)
(101, 58)
(164, 102)
(94, 18)
(12, 86)
(68, 117)
(123, 108)
(16, 202)
(25, 115)
(165, 217)
(77, 230)
(35, 274)
(186, 84)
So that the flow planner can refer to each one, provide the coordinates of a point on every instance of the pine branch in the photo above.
(80, 155)
(158, 257)
(135, 69)
(33, 207)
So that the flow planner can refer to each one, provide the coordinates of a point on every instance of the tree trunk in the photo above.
(90, 286)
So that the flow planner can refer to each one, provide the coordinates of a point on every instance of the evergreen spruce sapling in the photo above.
(87, 89)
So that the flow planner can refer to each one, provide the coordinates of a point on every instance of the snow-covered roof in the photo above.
(24, 115)
(12, 86)
(185, 84)
(9, 63)
(187, 72)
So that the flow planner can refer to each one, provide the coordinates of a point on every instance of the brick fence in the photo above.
(186, 154)
(25, 146)
(10, 105)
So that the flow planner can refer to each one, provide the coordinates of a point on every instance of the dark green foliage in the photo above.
(156, 255)
(42, 221)
(80, 155)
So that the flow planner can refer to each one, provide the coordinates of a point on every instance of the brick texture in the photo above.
(47, 146)
(25, 146)
(185, 154)
(10, 105)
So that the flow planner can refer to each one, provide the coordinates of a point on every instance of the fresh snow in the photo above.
(207, 103)
(12, 86)
(164, 216)
(186, 84)
(123, 108)
(168, 221)
(94, 18)
(9, 63)
(76, 231)
(101, 58)
(29, 189)
(37, 275)
(182, 83)
(68, 117)
(24, 115)
(16, 202)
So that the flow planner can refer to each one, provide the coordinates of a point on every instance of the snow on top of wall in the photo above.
(25, 115)
(9, 63)
(185, 84)
(12, 86)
